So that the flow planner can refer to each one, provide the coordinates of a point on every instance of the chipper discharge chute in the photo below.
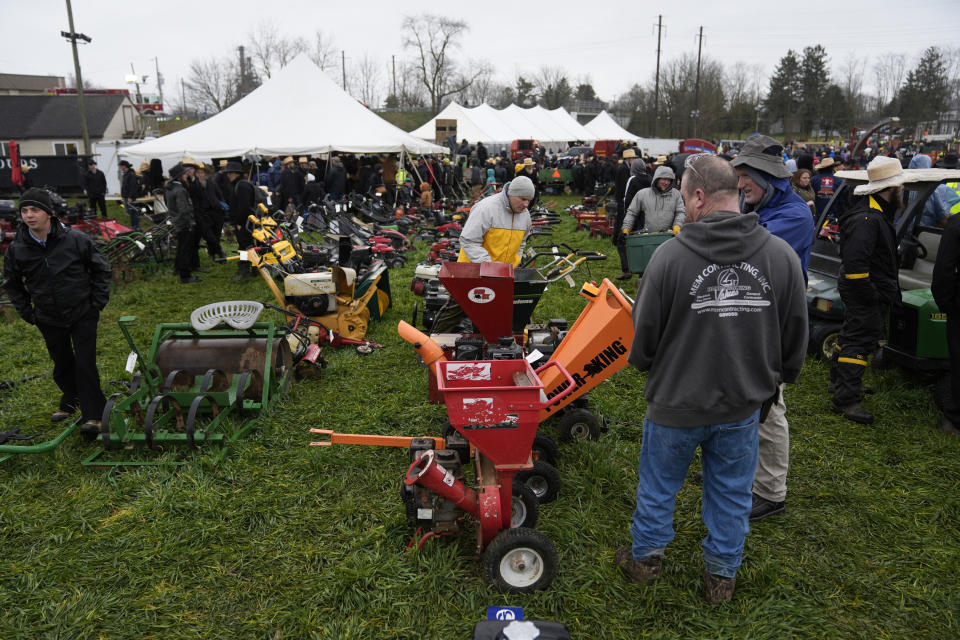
(203, 382)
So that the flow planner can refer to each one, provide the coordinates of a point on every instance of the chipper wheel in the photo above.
(544, 479)
(524, 508)
(520, 560)
(545, 449)
(579, 424)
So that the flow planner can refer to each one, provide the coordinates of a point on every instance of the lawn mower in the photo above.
(493, 409)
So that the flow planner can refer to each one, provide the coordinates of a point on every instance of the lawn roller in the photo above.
(592, 350)
(203, 382)
(494, 408)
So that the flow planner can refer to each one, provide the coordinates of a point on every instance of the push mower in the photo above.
(494, 408)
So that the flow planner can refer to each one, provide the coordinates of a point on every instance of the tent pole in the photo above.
(396, 187)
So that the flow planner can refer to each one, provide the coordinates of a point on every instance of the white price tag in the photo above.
(169, 222)
(140, 245)
(530, 251)
(554, 250)
(299, 223)
(243, 256)
(534, 355)
(131, 362)
(338, 208)
(569, 280)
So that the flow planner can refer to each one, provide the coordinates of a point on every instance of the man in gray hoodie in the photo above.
(720, 319)
(657, 208)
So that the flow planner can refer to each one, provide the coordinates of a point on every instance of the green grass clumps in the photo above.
(283, 540)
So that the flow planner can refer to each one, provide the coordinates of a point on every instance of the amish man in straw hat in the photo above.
(868, 281)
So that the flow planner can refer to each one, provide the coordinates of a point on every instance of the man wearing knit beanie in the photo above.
(58, 281)
(495, 231)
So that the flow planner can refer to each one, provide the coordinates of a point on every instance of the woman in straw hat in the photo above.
(868, 281)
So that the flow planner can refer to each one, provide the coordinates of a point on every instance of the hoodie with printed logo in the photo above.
(720, 318)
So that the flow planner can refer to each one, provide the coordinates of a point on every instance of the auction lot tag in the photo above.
(569, 280)
(243, 256)
(140, 245)
(131, 361)
(533, 356)
(504, 613)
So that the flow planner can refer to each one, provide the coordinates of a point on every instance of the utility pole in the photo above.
(72, 36)
(393, 62)
(696, 121)
(656, 86)
(243, 74)
(136, 83)
(183, 99)
(156, 66)
(343, 65)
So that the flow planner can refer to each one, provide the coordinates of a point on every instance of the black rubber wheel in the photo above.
(578, 424)
(823, 340)
(942, 393)
(544, 448)
(544, 479)
(520, 560)
(525, 509)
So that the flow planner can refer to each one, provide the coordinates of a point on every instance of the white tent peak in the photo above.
(298, 111)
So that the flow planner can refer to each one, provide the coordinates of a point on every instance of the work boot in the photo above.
(243, 271)
(718, 589)
(189, 279)
(863, 390)
(639, 572)
(855, 412)
(90, 428)
(763, 508)
(626, 275)
(946, 426)
(59, 415)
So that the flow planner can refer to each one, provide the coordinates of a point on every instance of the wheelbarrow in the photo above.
(494, 409)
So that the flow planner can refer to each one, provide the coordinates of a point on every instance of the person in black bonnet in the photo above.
(58, 281)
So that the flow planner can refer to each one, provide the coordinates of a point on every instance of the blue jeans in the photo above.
(729, 454)
(134, 214)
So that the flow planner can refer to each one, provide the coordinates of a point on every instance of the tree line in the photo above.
(805, 95)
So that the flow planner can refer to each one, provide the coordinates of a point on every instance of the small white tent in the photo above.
(604, 127)
(299, 111)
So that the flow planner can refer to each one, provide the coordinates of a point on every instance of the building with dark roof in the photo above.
(48, 125)
(15, 84)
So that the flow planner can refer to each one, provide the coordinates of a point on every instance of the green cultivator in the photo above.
(203, 382)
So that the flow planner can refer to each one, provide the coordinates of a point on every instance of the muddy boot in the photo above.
(243, 271)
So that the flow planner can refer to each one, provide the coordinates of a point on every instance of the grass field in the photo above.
(286, 541)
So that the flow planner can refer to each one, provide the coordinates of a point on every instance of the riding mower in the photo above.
(493, 409)
(917, 251)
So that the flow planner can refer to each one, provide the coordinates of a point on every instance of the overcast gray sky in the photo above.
(610, 42)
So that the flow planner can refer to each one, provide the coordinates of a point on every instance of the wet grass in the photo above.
(287, 541)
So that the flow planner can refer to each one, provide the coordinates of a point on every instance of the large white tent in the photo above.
(498, 127)
(299, 111)
(604, 127)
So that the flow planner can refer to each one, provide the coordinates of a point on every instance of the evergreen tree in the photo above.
(924, 94)
(526, 96)
(815, 78)
(786, 86)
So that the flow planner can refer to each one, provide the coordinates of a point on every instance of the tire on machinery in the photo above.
(578, 424)
(520, 560)
(524, 498)
(543, 479)
(544, 448)
(823, 338)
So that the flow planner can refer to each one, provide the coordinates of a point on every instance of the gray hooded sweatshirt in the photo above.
(662, 210)
(720, 319)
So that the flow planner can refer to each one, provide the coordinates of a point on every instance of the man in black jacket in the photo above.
(242, 205)
(129, 191)
(95, 185)
(184, 222)
(946, 293)
(57, 280)
(868, 281)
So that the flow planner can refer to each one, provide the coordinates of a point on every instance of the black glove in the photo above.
(29, 316)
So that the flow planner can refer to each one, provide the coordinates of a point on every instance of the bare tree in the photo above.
(365, 81)
(434, 38)
(410, 92)
(889, 71)
(273, 50)
(851, 74)
(321, 51)
(553, 87)
(483, 86)
(212, 84)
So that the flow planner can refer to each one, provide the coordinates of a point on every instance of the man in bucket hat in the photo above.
(868, 282)
(58, 281)
(764, 183)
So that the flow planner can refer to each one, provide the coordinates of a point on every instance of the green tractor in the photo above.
(917, 330)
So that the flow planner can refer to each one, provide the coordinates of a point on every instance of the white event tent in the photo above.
(299, 111)
(604, 127)
(554, 129)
